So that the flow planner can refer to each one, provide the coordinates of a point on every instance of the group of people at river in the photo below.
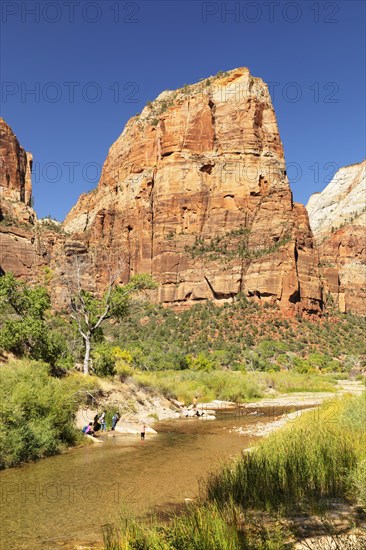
(100, 421)
(100, 424)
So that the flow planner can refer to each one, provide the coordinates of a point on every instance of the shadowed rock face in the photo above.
(195, 192)
(338, 220)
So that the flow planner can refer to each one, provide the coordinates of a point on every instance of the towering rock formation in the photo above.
(195, 192)
(24, 246)
(338, 220)
(15, 177)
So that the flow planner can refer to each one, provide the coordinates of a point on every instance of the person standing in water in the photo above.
(96, 425)
(115, 419)
(143, 430)
(102, 422)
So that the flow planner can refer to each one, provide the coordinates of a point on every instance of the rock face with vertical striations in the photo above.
(195, 192)
(338, 220)
(24, 245)
(15, 176)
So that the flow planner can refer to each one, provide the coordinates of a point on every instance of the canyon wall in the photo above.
(338, 220)
(15, 169)
(25, 246)
(195, 192)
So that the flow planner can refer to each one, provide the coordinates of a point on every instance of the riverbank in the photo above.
(148, 403)
(154, 476)
(43, 415)
(91, 486)
(311, 466)
(230, 385)
(37, 411)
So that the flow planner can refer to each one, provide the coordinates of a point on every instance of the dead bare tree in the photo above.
(89, 309)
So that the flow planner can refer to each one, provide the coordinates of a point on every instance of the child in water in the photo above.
(143, 430)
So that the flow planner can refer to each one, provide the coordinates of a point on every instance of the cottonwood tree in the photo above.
(89, 310)
(23, 329)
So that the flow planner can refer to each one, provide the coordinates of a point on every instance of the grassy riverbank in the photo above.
(313, 459)
(37, 412)
(38, 409)
(306, 466)
(230, 385)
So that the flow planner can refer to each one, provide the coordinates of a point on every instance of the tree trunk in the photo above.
(87, 354)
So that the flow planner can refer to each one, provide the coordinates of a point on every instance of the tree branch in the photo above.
(79, 326)
(102, 317)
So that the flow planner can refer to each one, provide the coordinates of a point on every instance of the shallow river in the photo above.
(64, 500)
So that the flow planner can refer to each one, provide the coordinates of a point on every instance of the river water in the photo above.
(65, 500)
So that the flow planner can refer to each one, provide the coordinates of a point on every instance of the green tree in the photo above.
(25, 330)
(200, 363)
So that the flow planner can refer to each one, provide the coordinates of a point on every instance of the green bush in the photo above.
(200, 527)
(157, 359)
(185, 385)
(200, 363)
(104, 360)
(239, 329)
(123, 370)
(37, 415)
(27, 326)
(289, 381)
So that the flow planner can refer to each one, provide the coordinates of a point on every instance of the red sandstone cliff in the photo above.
(195, 192)
(25, 246)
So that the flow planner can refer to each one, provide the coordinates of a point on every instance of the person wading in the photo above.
(102, 422)
(143, 430)
(115, 419)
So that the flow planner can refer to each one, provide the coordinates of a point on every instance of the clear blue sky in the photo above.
(93, 65)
